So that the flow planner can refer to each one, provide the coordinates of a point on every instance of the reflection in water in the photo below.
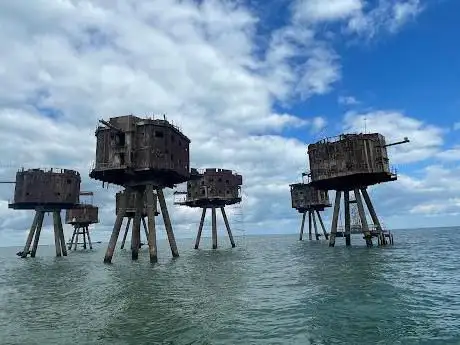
(273, 290)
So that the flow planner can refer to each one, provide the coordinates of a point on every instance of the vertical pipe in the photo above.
(310, 227)
(200, 228)
(362, 216)
(214, 228)
(126, 233)
(61, 234)
(89, 238)
(31, 235)
(326, 235)
(346, 202)
(136, 231)
(57, 241)
(116, 230)
(152, 234)
(302, 226)
(37, 233)
(167, 221)
(227, 225)
(314, 224)
(373, 214)
(335, 218)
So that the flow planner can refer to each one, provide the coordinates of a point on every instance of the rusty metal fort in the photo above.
(146, 155)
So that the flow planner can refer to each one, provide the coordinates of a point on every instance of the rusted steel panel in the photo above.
(306, 197)
(36, 187)
(131, 204)
(214, 185)
(84, 214)
(348, 155)
(141, 149)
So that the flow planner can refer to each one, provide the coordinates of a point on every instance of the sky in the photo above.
(251, 83)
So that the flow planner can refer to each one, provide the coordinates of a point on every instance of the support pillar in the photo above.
(167, 221)
(89, 238)
(74, 232)
(362, 216)
(214, 228)
(373, 214)
(61, 234)
(200, 228)
(346, 201)
(335, 218)
(136, 230)
(227, 225)
(57, 239)
(126, 233)
(302, 226)
(37, 233)
(116, 230)
(314, 224)
(152, 236)
(326, 235)
(144, 225)
(309, 226)
(31, 235)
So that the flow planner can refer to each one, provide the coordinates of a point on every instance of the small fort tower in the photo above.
(307, 199)
(352, 162)
(81, 217)
(130, 212)
(143, 155)
(212, 189)
(46, 191)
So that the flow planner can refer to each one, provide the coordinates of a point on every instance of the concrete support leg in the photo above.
(37, 233)
(167, 221)
(314, 224)
(152, 234)
(77, 234)
(200, 228)
(84, 236)
(136, 231)
(373, 214)
(346, 202)
(326, 235)
(146, 231)
(116, 231)
(126, 233)
(89, 238)
(72, 238)
(335, 218)
(61, 234)
(302, 226)
(30, 237)
(310, 227)
(227, 225)
(362, 216)
(57, 239)
(214, 228)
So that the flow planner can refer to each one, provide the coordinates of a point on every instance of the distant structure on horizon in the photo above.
(46, 191)
(142, 155)
(81, 217)
(130, 212)
(305, 198)
(211, 189)
(352, 162)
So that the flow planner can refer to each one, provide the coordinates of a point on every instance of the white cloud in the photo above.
(348, 100)
(452, 154)
(425, 140)
(456, 126)
(319, 10)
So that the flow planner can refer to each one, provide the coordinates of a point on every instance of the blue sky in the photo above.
(251, 84)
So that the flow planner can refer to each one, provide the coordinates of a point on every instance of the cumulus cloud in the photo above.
(425, 140)
(347, 100)
(66, 64)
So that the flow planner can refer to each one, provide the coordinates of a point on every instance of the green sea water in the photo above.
(268, 290)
